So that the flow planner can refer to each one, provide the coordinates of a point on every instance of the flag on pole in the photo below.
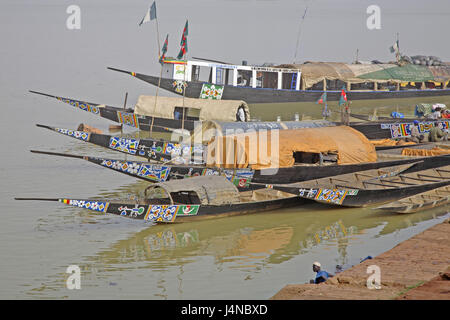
(164, 50)
(150, 15)
(322, 99)
(183, 42)
(394, 47)
(185, 34)
(343, 98)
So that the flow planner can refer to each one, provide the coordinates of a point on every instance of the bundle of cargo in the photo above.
(430, 111)
(423, 60)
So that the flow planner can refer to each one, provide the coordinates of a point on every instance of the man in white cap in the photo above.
(321, 276)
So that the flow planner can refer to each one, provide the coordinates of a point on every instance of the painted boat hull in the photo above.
(263, 95)
(266, 176)
(167, 213)
(372, 130)
(360, 197)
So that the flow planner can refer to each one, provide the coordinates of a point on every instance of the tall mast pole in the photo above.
(160, 74)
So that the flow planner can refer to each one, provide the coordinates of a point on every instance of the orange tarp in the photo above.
(389, 142)
(254, 149)
(436, 151)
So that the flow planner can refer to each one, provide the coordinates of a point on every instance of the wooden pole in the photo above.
(160, 74)
(156, 98)
(184, 90)
(157, 34)
(125, 102)
(124, 108)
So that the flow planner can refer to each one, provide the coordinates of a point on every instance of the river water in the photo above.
(242, 257)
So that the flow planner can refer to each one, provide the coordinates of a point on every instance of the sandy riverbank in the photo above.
(417, 268)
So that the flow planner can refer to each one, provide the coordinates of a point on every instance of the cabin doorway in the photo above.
(314, 158)
(188, 113)
(185, 197)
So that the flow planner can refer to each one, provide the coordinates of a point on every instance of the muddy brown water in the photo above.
(118, 257)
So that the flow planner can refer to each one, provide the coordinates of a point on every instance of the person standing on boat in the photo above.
(321, 276)
(346, 114)
(415, 134)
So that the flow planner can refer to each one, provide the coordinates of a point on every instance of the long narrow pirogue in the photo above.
(198, 197)
(290, 173)
(157, 172)
(423, 201)
(370, 187)
(165, 114)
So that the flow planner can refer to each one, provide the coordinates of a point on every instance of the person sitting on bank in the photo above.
(437, 134)
(321, 276)
(415, 134)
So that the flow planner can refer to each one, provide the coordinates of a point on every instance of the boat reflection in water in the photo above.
(261, 251)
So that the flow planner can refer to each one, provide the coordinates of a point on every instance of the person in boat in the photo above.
(437, 134)
(446, 114)
(346, 114)
(240, 115)
(321, 276)
(437, 113)
(415, 133)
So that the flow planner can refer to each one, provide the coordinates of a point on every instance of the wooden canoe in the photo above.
(127, 116)
(370, 187)
(281, 176)
(420, 202)
(195, 198)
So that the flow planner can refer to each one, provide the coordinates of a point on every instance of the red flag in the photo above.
(343, 98)
(323, 98)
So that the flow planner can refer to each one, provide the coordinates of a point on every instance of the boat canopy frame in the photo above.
(210, 190)
(183, 70)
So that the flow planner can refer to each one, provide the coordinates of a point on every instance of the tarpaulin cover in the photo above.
(315, 72)
(211, 129)
(222, 110)
(390, 142)
(436, 151)
(255, 149)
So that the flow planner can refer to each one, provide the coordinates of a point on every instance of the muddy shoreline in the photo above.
(417, 268)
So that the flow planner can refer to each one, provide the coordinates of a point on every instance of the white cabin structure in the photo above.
(234, 75)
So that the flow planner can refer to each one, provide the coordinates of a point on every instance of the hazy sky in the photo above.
(37, 48)
(266, 30)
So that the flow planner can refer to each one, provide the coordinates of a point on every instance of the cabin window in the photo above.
(362, 86)
(289, 81)
(195, 73)
(228, 76)
(314, 158)
(189, 113)
(430, 85)
(335, 84)
(167, 71)
(317, 86)
(244, 78)
(387, 86)
(202, 74)
(185, 197)
(269, 79)
(220, 76)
